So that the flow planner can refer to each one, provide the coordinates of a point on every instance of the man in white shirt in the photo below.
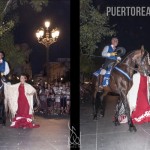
(111, 58)
(4, 67)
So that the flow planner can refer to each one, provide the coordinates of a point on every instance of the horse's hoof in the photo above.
(132, 128)
(4, 123)
(101, 115)
(117, 123)
(95, 117)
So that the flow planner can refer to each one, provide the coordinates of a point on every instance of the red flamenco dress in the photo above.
(142, 112)
(23, 119)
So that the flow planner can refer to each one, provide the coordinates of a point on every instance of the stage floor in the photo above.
(104, 135)
(52, 134)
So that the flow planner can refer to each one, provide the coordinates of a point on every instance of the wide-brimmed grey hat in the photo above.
(120, 51)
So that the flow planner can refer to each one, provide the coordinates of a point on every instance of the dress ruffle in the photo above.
(22, 122)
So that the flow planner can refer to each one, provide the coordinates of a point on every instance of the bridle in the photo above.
(141, 64)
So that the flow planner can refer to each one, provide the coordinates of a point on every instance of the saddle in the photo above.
(106, 78)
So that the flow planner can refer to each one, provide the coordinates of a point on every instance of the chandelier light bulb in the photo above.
(41, 32)
(47, 24)
(57, 33)
(53, 34)
(38, 34)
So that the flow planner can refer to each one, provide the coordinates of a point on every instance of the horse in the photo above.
(2, 108)
(137, 60)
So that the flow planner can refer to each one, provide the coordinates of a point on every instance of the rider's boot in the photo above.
(100, 81)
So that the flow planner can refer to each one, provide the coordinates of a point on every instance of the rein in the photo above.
(137, 70)
(131, 67)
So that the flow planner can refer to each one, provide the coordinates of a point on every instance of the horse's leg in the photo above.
(3, 111)
(96, 103)
(127, 111)
(94, 106)
(99, 104)
(4, 116)
(118, 107)
(102, 103)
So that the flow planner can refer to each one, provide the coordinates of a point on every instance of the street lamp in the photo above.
(43, 36)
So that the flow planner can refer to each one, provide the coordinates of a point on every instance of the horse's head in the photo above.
(142, 60)
(145, 64)
(139, 58)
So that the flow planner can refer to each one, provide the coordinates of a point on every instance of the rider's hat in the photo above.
(120, 51)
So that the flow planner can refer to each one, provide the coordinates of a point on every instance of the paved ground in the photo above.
(52, 135)
(103, 135)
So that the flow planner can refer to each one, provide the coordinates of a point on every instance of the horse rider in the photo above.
(4, 67)
(111, 58)
(4, 71)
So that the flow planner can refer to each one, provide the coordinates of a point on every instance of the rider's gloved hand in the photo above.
(113, 54)
(118, 61)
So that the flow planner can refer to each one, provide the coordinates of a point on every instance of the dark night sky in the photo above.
(132, 31)
(58, 12)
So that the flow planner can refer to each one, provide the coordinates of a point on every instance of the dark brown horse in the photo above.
(2, 108)
(137, 60)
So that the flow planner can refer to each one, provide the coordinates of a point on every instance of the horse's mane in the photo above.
(128, 54)
(131, 52)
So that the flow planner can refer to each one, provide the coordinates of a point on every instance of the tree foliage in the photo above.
(10, 7)
(93, 28)
(86, 64)
(8, 19)
(14, 56)
(4, 26)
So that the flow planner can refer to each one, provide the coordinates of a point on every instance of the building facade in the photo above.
(58, 70)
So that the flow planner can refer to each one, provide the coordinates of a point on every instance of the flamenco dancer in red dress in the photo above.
(138, 99)
(19, 98)
(141, 113)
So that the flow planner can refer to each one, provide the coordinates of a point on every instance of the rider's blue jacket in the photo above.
(4, 67)
(107, 53)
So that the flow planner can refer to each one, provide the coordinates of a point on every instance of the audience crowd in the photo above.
(54, 98)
